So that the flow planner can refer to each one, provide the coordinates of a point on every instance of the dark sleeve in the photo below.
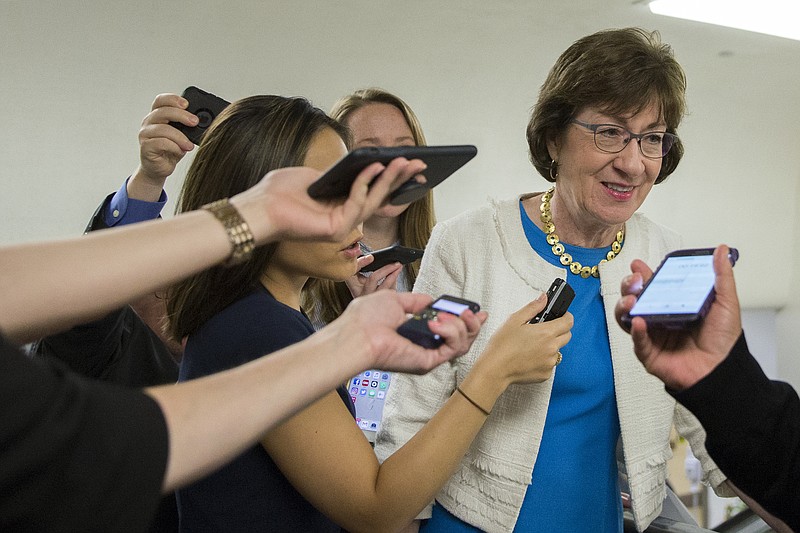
(119, 348)
(753, 430)
(98, 220)
(76, 455)
(88, 348)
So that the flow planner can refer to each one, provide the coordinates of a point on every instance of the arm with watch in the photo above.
(53, 417)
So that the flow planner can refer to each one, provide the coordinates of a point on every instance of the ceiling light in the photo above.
(773, 17)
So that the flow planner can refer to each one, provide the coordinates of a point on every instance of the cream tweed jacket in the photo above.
(483, 255)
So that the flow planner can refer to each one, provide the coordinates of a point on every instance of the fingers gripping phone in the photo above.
(416, 328)
(441, 162)
(206, 107)
(559, 296)
(681, 290)
(393, 254)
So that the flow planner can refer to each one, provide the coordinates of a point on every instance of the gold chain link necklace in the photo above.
(558, 249)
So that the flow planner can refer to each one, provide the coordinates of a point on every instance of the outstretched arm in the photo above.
(52, 286)
(353, 488)
(213, 419)
(709, 370)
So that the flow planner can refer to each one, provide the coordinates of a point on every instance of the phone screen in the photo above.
(368, 391)
(681, 286)
(449, 306)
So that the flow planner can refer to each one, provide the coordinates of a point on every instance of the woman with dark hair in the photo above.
(603, 132)
(316, 471)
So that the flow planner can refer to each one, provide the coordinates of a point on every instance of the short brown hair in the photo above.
(619, 71)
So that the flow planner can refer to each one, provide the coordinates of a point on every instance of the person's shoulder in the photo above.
(479, 215)
(256, 308)
(644, 226)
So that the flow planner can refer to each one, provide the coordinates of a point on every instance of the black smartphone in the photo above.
(205, 106)
(392, 254)
(559, 296)
(681, 290)
(442, 161)
(416, 328)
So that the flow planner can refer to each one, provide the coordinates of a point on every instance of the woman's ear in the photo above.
(552, 148)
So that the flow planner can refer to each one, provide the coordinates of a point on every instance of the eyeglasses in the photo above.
(612, 139)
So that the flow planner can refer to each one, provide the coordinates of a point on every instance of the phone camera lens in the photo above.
(205, 117)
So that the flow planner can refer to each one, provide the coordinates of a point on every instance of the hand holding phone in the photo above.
(680, 292)
(416, 328)
(441, 162)
(205, 106)
(559, 296)
(392, 254)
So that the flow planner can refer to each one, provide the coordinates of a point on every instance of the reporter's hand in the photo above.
(374, 319)
(161, 146)
(278, 207)
(519, 352)
(681, 358)
(361, 284)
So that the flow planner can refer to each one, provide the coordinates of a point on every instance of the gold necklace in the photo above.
(558, 249)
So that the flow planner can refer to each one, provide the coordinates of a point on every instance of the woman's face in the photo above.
(379, 124)
(328, 260)
(598, 188)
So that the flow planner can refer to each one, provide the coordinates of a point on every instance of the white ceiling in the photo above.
(76, 82)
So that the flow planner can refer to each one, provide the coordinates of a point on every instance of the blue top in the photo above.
(122, 210)
(249, 494)
(575, 478)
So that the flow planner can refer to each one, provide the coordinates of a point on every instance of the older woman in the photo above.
(603, 132)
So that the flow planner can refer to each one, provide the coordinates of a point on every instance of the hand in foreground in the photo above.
(519, 352)
(361, 284)
(681, 358)
(279, 207)
(373, 320)
(161, 146)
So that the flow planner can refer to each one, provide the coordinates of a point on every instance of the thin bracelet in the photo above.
(239, 234)
(470, 400)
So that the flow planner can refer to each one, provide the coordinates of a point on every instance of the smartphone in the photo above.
(392, 254)
(442, 161)
(559, 296)
(206, 107)
(681, 290)
(416, 328)
(369, 391)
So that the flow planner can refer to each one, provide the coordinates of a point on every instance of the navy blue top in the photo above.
(250, 494)
(575, 478)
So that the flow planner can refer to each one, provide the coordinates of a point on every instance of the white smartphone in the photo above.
(368, 391)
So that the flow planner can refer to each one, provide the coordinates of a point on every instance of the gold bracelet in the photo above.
(470, 400)
(239, 234)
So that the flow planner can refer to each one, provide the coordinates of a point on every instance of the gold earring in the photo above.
(553, 169)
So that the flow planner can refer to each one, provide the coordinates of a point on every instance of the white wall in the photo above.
(788, 319)
(77, 78)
